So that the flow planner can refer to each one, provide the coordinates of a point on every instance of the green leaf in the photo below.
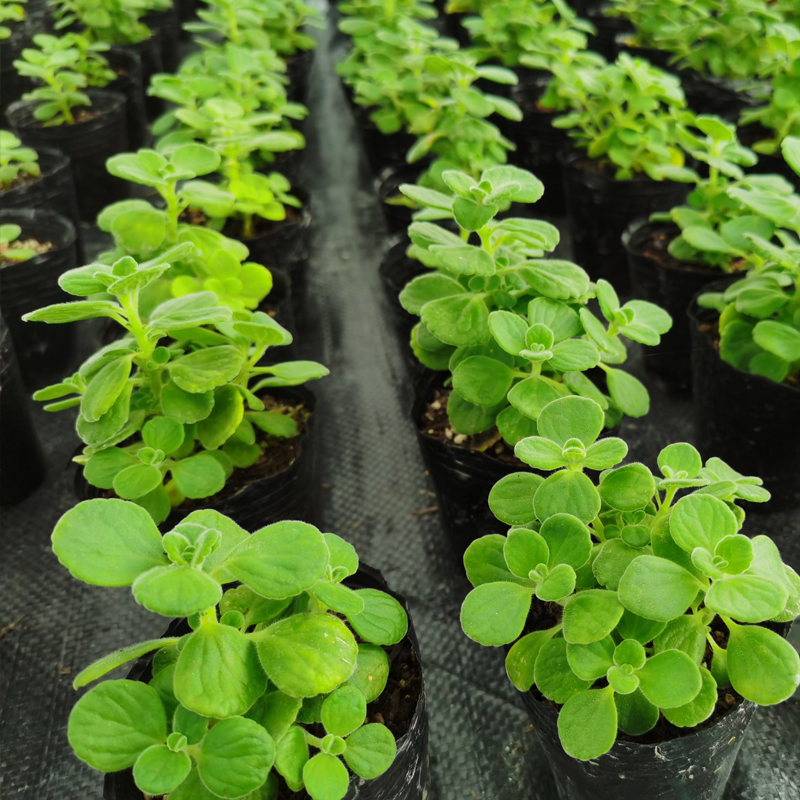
(372, 671)
(554, 677)
(370, 751)
(531, 396)
(116, 659)
(185, 407)
(199, 476)
(540, 453)
(670, 679)
(176, 591)
(778, 338)
(472, 216)
(557, 316)
(557, 280)
(383, 619)
(627, 392)
(494, 614)
(613, 559)
(680, 457)
(114, 722)
(605, 454)
(687, 634)
(464, 260)
(102, 468)
(104, 388)
(636, 714)
(587, 725)
(700, 520)
(337, 597)
(657, 589)
(524, 551)
(514, 427)
(521, 658)
(485, 563)
(591, 661)
(158, 770)
(235, 757)
(343, 711)
(508, 330)
(459, 321)
(466, 417)
(707, 240)
(590, 616)
(568, 540)
(570, 493)
(747, 598)
(224, 419)
(107, 542)
(204, 370)
(426, 288)
(571, 418)
(763, 667)
(73, 312)
(574, 355)
(511, 498)
(192, 726)
(218, 673)
(482, 381)
(137, 481)
(627, 488)
(325, 777)
(280, 560)
(700, 708)
(307, 654)
(163, 433)
(635, 627)
(342, 553)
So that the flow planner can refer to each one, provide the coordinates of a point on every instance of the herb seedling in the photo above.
(759, 321)
(512, 327)
(16, 161)
(186, 408)
(638, 576)
(113, 21)
(233, 702)
(11, 248)
(714, 225)
(627, 113)
(10, 12)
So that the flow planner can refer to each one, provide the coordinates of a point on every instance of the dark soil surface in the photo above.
(657, 248)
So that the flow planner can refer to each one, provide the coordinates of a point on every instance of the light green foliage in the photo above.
(236, 684)
(114, 22)
(15, 160)
(759, 321)
(10, 247)
(641, 566)
(512, 327)
(627, 113)
(163, 422)
(10, 12)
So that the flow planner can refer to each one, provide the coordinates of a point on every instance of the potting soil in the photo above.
(376, 495)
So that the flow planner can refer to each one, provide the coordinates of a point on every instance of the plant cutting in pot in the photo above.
(266, 687)
(632, 607)
(174, 408)
(747, 342)
(512, 329)
(624, 123)
(675, 254)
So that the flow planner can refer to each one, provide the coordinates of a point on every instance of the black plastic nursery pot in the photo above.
(88, 144)
(409, 776)
(657, 277)
(22, 466)
(298, 69)
(292, 493)
(600, 208)
(747, 420)
(149, 52)
(768, 164)
(166, 26)
(13, 84)
(53, 190)
(397, 217)
(382, 150)
(709, 95)
(128, 66)
(608, 28)
(45, 352)
(462, 477)
(538, 143)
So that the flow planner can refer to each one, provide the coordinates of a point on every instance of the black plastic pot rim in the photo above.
(115, 100)
(58, 161)
(28, 218)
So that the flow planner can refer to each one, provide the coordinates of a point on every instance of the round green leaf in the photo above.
(186, 407)
(372, 671)
(459, 321)
(325, 777)
(605, 454)
(747, 598)
(382, 621)
(587, 725)
(680, 457)
(218, 673)
(687, 634)
(521, 658)
(567, 493)
(163, 433)
(591, 615)
(370, 751)
(670, 679)
(635, 713)
(591, 661)
(627, 488)
(524, 550)
(204, 370)
(307, 654)
(657, 589)
(627, 392)
(337, 597)
(280, 560)
(235, 757)
(559, 583)
(108, 542)
(343, 711)
(137, 481)
(643, 630)
(199, 476)
(613, 559)
(482, 381)
(494, 614)
(568, 540)
(700, 520)
(114, 722)
(540, 453)
(292, 755)
(158, 770)
(508, 330)
(511, 498)
(571, 417)
(554, 676)
(176, 591)
(699, 709)
(622, 682)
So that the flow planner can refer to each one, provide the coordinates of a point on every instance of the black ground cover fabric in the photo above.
(482, 745)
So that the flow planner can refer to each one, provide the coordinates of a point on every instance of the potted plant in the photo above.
(746, 344)
(88, 126)
(643, 626)
(36, 248)
(624, 124)
(259, 686)
(677, 252)
(509, 331)
(15, 34)
(182, 412)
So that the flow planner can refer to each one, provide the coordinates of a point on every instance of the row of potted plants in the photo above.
(531, 386)
(189, 422)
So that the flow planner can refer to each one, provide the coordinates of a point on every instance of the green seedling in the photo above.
(16, 161)
(10, 12)
(635, 578)
(240, 698)
(112, 21)
(167, 420)
(10, 248)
